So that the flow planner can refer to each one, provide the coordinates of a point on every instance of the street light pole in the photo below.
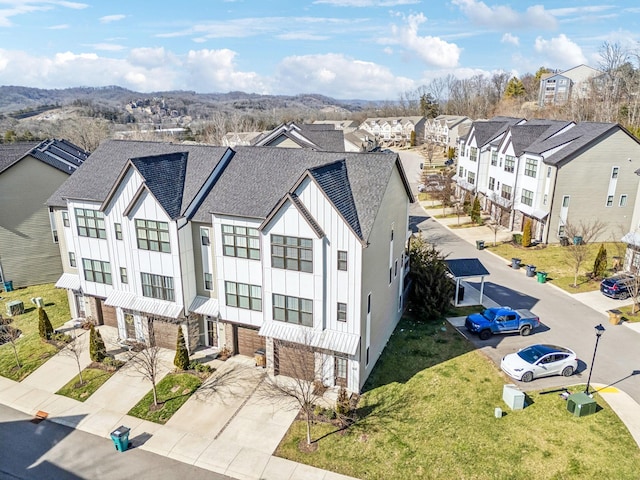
(599, 331)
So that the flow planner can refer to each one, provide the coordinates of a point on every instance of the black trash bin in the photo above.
(531, 270)
(120, 437)
(480, 244)
(515, 263)
(460, 293)
(564, 242)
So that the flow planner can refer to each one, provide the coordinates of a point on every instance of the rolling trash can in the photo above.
(531, 270)
(515, 263)
(120, 437)
(8, 286)
(480, 244)
(542, 277)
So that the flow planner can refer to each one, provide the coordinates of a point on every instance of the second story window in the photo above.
(204, 237)
(153, 235)
(123, 275)
(492, 183)
(292, 253)
(494, 158)
(509, 163)
(90, 223)
(72, 259)
(65, 218)
(506, 192)
(294, 310)
(473, 156)
(531, 167)
(342, 260)
(117, 228)
(242, 295)
(157, 286)
(208, 281)
(96, 271)
(527, 197)
(241, 242)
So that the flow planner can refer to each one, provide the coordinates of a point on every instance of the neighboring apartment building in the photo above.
(557, 88)
(395, 131)
(552, 173)
(446, 130)
(257, 248)
(29, 173)
(323, 137)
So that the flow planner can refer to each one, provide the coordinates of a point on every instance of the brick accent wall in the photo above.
(193, 333)
(228, 335)
(165, 334)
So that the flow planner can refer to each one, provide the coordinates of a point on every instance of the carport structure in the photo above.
(465, 268)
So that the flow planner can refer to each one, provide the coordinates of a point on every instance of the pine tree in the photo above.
(514, 89)
(181, 359)
(44, 325)
(600, 263)
(97, 349)
(475, 212)
(526, 233)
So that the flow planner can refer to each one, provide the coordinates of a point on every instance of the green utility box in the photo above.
(581, 404)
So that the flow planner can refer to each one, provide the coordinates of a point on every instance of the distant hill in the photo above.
(20, 102)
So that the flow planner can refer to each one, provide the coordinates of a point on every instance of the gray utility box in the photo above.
(513, 396)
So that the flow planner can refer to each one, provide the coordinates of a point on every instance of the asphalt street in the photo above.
(52, 451)
(565, 321)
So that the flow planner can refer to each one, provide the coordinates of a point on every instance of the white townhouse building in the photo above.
(256, 248)
(446, 130)
(395, 130)
(554, 172)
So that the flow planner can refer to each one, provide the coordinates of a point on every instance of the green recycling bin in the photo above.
(120, 437)
(542, 277)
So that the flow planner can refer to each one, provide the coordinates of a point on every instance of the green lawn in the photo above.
(428, 413)
(32, 351)
(173, 391)
(93, 379)
(557, 262)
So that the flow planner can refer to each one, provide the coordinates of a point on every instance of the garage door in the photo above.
(109, 316)
(296, 361)
(249, 341)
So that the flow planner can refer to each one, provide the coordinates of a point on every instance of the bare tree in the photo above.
(9, 334)
(74, 350)
(305, 365)
(145, 360)
(580, 235)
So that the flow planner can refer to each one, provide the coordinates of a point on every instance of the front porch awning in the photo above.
(539, 214)
(632, 238)
(151, 306)
(205, 306)
(331, 340)
(69, 281)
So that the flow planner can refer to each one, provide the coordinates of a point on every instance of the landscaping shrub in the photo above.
(44, 324)
(200, 367)
(517, 238)
(97, 349)
(111, 363)
(475, 211)
(600, 263)
(181, 360)
(342, 402)
(526, 233)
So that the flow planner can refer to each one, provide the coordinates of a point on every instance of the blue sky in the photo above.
(366, 49)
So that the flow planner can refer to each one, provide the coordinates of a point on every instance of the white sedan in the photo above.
(539, 361)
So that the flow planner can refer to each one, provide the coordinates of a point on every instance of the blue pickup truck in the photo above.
(501, 320)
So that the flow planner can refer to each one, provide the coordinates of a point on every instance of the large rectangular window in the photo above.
(292, 253)
(157, 286)
(90, 223)
(153, 235)
(527, 197)
(531, 167)
(471, 177)
(494, 158)
(241, 242)
(242, 295)
(506, 192)
(509, 163)
(293, 310)
(96, 271)
(208, 281)
(492, 183)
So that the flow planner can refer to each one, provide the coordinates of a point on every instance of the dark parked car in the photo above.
(449, 162)
(618, 286)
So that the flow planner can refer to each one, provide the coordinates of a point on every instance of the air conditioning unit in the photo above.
(38, 302)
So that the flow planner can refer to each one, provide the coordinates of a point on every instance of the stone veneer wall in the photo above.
(228, 335)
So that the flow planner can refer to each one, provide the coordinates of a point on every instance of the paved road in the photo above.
(566, 321)
(52, 451)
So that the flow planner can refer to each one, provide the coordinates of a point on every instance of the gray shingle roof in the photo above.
(258, 177)
(60, 154)
(329, 140)
(164, 175)
(94, 179)
(10, 153)
(486, 131)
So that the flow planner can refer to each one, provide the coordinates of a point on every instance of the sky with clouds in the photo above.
(346, 49)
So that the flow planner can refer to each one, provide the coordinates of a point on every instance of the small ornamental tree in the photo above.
(181, 360)
(526, 233)
(475, 212)
(44, 325)
(97, 349)
(600, 263)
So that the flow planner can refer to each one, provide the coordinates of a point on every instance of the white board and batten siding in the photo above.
(239, 270)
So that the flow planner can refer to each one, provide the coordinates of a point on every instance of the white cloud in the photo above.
(338, 76)
(21, 7)
(150, 58)
(301, 36)
(502, 17)
(559, 52)
(367, 3)
(432, 50)
(62, 26)
(512, 39)
(112, 18)
(107, 47)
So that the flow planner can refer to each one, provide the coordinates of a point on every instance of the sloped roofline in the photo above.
(292, 198)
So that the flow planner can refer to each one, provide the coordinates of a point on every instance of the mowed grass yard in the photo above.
(558, 262)
(32, 350)
(428, 413)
